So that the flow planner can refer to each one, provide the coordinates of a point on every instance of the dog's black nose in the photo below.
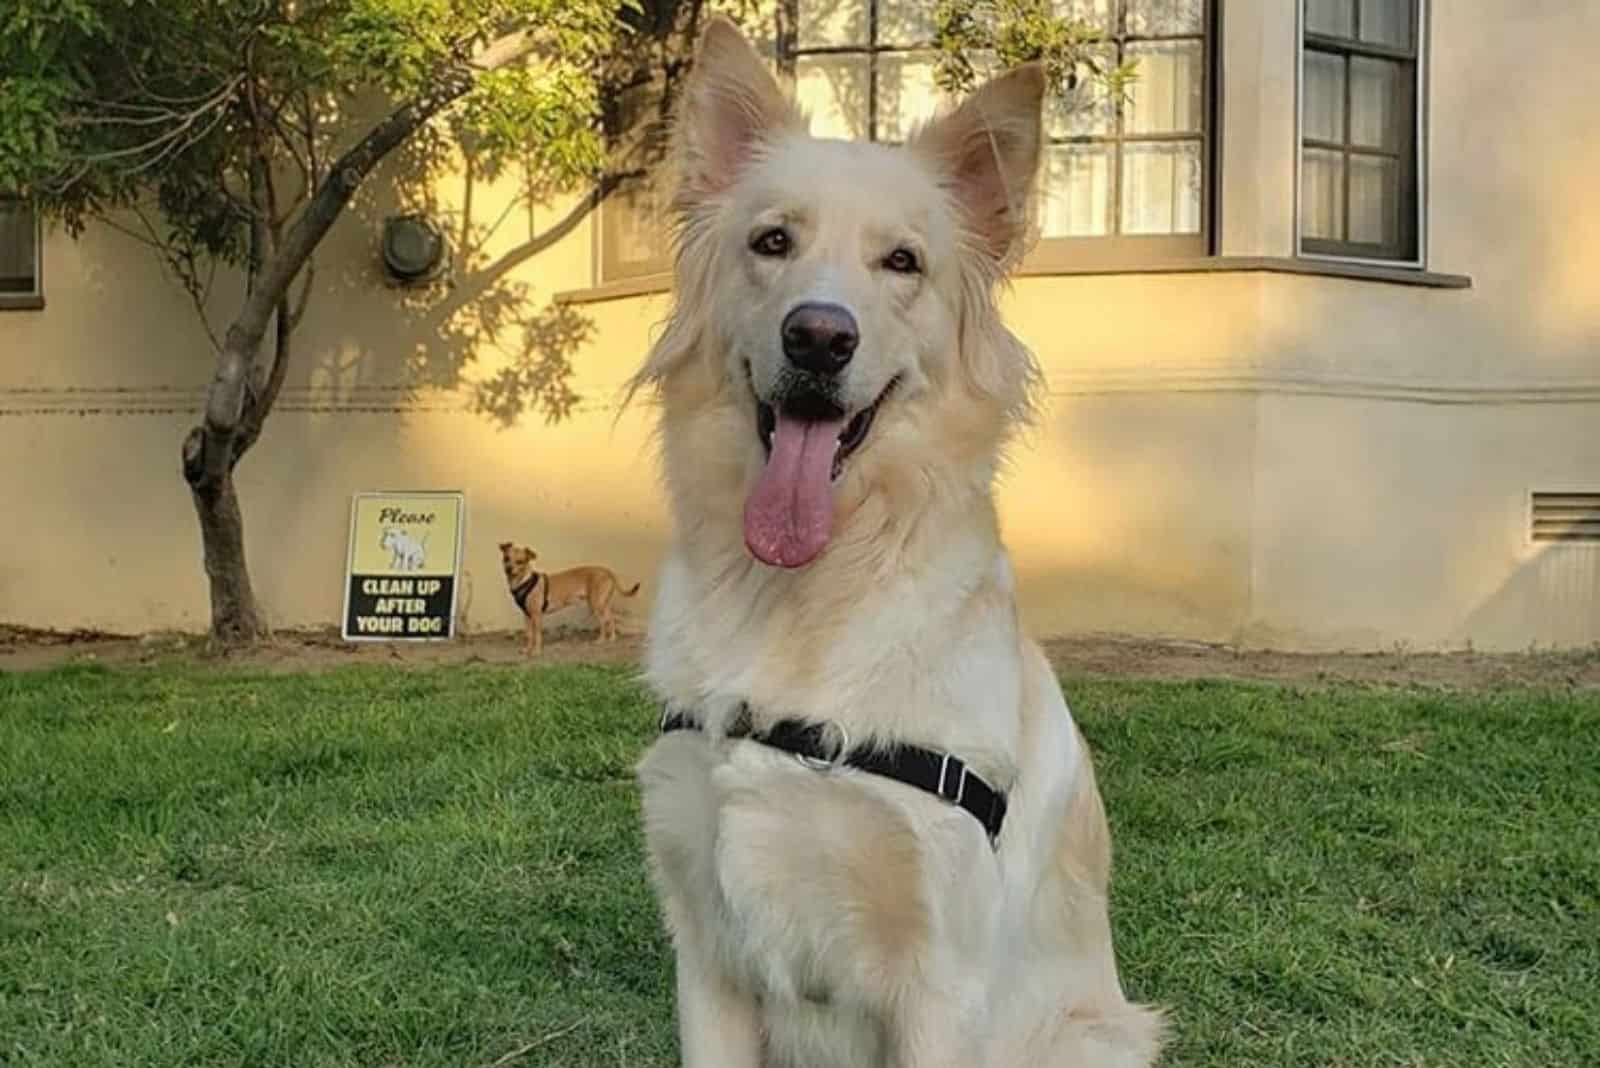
(820, 338)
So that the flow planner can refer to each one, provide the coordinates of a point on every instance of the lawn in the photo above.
(372, 867)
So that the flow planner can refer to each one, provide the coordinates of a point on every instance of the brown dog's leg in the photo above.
(536, 620)
(600, 604)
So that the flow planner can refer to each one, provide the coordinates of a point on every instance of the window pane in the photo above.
(636, 226)
(1374, 200)
(902, 23)
(834, 90)
(1077, 191)
(1168, 95)
(1386, 22)
(1374, 102)
(831, 22)
(1322, 194)
(1161, 188)
(1324, 90)
(1165, 18)
(906, 94)
(1090, 110)
(18, 250)
(1334, 18)
(1097, 13)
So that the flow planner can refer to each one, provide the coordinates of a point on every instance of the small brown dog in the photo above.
(538, 592)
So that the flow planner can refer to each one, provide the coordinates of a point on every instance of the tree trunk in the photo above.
(237, 401)
(235, 620)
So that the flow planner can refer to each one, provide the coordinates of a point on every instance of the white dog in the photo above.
(872, 822)
(405, 552)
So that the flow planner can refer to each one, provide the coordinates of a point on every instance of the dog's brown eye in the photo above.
(773, 242)
(903, 261)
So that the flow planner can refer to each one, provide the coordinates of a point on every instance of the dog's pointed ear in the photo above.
(730, 106)
(504, 546)
(987, 150)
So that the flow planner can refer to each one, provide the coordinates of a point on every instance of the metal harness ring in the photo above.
(839, 753)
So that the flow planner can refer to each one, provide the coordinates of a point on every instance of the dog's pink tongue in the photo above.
(789, 515)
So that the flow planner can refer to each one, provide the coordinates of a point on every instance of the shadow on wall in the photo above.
(483, 330)
(1553, 599)
(1132, 512)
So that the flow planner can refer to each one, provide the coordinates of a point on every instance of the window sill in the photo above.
(646, 285)
(1357, 272)
(1360, 272)
(21, 302)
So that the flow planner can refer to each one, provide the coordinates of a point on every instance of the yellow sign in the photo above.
(405, 557)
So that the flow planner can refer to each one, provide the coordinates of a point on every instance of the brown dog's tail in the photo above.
(630, 593)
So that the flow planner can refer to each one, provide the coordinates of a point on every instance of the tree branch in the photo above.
(307, 277)
(167, 138)
(265, 395)
(211, 458)
(173, 260)
(261, 390)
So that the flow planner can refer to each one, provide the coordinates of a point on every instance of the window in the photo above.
(1359, 166)
(19, 254)
(1128, 178)
(1124, 179)
(864, 69)
(633, 229)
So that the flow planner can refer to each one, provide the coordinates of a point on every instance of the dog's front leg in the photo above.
(718, 1024)
(534, 642)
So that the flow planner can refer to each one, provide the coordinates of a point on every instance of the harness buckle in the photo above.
(839, 753)
(944, 777)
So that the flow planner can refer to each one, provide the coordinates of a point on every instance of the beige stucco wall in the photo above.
(1297, 461)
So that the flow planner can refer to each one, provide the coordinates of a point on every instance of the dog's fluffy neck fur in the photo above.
(915, 551)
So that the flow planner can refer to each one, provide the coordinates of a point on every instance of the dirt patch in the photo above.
(1140, 658)
(23, 649)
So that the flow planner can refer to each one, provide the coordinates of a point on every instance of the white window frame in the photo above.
(1420, 261)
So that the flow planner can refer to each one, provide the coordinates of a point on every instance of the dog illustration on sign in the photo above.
(406, 553)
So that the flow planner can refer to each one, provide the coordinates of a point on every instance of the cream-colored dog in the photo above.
(837, 388)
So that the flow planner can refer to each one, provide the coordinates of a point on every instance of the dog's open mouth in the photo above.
(848, 441)
(789, 514)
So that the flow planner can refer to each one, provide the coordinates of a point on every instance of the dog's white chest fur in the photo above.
(831, 903)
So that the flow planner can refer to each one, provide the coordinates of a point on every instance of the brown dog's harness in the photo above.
(520, 592)
(825, 746)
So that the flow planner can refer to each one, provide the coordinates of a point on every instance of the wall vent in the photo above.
(1566, 517)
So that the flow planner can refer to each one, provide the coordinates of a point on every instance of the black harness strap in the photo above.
(824, 746)
(520, 593)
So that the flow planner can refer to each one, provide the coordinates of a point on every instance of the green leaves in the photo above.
(30, 24)
(29, 141)
(396, 44)
(1021, 31)
(110, 103)
(548, 117)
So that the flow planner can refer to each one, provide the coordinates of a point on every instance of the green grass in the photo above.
(438, 868)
